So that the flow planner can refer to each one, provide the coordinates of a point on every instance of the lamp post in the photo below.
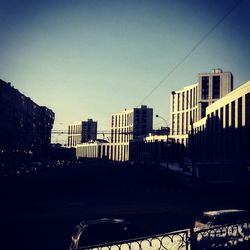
(167, 132)
(192, 128)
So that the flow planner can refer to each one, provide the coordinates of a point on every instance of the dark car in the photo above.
(102, 231)
(222, 228)
(220, 217)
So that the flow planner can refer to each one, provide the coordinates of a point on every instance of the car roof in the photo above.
(224, 211)
(103, 221)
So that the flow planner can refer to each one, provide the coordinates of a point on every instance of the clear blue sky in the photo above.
(91, 58)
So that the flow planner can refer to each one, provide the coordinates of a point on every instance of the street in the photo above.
(40, 210)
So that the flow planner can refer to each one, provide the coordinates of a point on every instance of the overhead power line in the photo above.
(190, 51)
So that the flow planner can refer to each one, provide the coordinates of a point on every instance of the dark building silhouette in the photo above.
(25, 127)
(220, 144)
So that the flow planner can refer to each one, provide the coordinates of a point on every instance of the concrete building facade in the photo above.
(223, 134)
(125, 126)
(25, 127)
(189, 104)
(98, 149)
(129, 125)
(89, 130)
(81, 132)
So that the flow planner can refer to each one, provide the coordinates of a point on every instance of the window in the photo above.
(240, 112)
(227, 116)
(182, 101)
(203, 109)
(173, 122)
(178, 102)
(115, 121)
(173, 102)
(191, 98)
(248, 109)
(182, 123)
(187, 98)
(178, 123)
(221, 116)
(204, 87)
(194, 98)
(233, 114)
(216, 87)
(187, 122)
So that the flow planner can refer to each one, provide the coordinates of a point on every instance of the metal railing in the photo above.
(226, 236)
(173, 240)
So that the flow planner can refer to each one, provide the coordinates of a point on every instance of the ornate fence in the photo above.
(234, 236)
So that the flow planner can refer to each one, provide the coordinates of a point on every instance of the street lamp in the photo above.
(167, 132)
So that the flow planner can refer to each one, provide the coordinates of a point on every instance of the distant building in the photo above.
(129, 125)
(125, 126)
(189, 104)
(58, 152)
(25, 127)
(81, 132)
(89, 130)
(154, 148)
(98, 149)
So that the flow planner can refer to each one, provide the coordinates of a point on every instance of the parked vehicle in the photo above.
(220, 217)
(222, 228)
(101, 231)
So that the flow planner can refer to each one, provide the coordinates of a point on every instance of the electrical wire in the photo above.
(190, 52)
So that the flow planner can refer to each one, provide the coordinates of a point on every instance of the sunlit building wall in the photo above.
(81, 132)
(98, 149)
(189, 104)
(128, 125)
(125, 126)
(74, 134)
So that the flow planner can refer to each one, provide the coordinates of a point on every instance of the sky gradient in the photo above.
(89, 59)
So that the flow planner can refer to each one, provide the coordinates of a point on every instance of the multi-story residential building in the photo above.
(25, 127)
(221, 137)
(125, 126)
(223, 134)
(74, 134)
(189, 104)
(89, 130)
(129, 125)
(81, 132)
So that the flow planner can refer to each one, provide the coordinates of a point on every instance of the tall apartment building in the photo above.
(125, 126)
(25, 127)
(81, 132)
(189, 104)
(131, 124)
(89, 130)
